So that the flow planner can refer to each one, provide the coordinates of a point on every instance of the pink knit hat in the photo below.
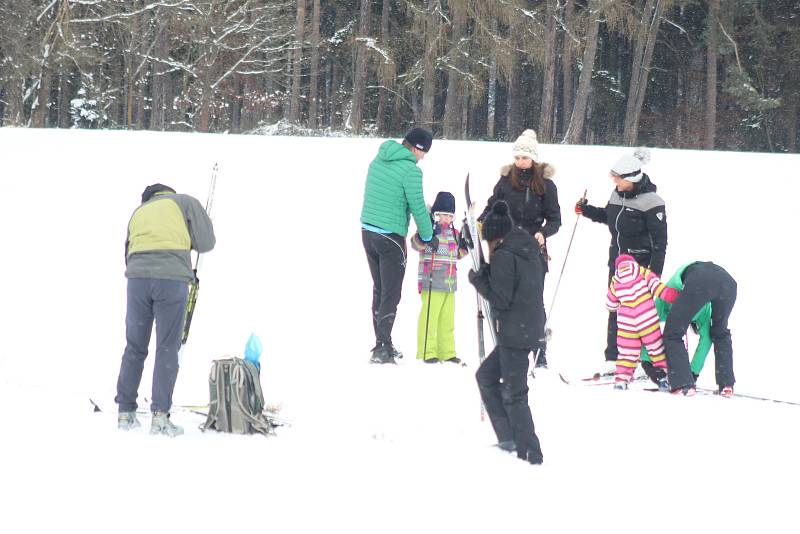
(623, 257)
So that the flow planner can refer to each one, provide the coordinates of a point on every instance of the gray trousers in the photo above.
(165, 302)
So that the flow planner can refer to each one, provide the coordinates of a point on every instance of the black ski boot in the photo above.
(383, 353)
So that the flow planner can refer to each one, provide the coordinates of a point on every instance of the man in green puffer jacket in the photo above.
(393, 192)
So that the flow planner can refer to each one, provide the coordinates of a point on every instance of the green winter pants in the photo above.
(441, 343)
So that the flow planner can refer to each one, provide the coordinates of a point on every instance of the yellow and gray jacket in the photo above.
(161, 234)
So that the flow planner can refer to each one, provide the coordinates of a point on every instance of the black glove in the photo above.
(464, 237)
(579, 205)
(433, 243)
(473, 275)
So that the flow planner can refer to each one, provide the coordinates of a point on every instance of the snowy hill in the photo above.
(375, 448)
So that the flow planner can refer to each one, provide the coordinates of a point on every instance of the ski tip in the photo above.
(95, 407)
(563, 378)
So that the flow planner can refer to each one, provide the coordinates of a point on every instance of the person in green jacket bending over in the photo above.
(705, 303)
(392, 193)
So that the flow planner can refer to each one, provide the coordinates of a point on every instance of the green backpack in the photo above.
(236, 402)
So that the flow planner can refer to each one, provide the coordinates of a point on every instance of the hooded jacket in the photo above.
(161, 233)
(393, 192)
(637, 220)
(514, 291)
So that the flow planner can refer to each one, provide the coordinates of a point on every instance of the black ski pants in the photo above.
(611, 332)
(386, 255)
(162, 301)
(503, 383)
(702, 282)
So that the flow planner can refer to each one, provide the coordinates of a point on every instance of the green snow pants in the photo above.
(441, 342)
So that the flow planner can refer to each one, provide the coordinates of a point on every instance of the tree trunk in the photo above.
(429, 67)
(548, 86)
(574, 132)
(160, 103)
(640, 68)
(566, 65)
(792, 118)
(40, 112)
(297, 63)
(514, 119)
(313, 88)
(491, 90)
(380, 120)
(360, 71)
(711, 75)
(452, 120)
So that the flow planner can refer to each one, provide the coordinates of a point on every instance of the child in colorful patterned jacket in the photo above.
(437, 284)
(631, 295)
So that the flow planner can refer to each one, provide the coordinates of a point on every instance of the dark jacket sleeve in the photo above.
(594, 213)
(495, 282)
(551, 210)
(657, 228)
(497, 194)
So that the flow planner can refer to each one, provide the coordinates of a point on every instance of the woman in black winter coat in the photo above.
(637, 219)
(532, 198)
(515, 298)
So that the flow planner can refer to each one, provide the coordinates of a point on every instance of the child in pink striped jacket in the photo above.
(631, 294)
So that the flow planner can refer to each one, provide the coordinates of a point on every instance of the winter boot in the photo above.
(531, 457)
(507, 445)
(686, 391)
(431, 360)
(162, 425)
(726, 391)
(620, 385)
(396, 353)
(383, 353)
(127, 421)
(663, 385)
(455, 360)
(609, 368)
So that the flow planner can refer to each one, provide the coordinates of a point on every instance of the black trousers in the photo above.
(702, 282)
(611, 332)
(386, 255)
(506, 401)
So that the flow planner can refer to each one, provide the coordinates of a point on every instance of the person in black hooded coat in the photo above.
(637, 219)
(515, 298)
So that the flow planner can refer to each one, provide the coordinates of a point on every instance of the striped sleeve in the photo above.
(612, 302)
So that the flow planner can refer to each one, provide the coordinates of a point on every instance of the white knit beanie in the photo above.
(630, 167)
(526, 145)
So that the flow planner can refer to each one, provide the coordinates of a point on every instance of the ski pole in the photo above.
(558, 284)
(428, 313)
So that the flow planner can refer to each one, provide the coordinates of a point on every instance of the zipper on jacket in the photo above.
(616, 223)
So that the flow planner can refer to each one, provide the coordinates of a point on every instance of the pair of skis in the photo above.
(476, 253)
(194, 286)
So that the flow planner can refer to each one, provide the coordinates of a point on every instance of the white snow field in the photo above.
(375, 449)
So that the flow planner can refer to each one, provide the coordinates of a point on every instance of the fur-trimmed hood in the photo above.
(548, 170)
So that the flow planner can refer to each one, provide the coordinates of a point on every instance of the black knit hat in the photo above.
(151, 190)
(420, 138)
(445, 203)
(498, 223)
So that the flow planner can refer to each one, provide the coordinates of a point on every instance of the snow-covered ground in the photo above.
(375, 448)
